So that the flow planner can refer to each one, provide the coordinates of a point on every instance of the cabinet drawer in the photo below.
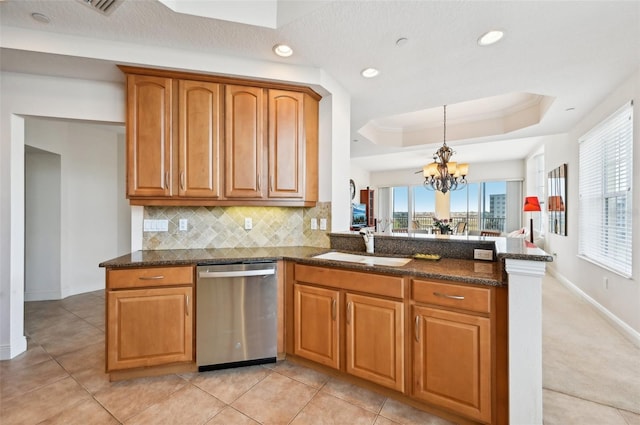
(149, 276)
(451, 295)
(389, 286)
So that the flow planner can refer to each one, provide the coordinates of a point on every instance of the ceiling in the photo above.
(571, 53)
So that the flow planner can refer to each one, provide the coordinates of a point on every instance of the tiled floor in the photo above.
(61, 380)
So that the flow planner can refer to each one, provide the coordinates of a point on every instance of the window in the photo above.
(604, 184)
(486, 205)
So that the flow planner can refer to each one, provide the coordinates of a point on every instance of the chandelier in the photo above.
(443, 175)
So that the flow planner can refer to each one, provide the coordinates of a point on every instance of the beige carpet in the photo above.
(583, 355)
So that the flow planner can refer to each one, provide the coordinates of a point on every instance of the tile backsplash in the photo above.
(223, 227)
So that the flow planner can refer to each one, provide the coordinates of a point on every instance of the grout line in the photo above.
(587, 400)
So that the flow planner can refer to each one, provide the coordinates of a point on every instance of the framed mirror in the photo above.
(557, 200)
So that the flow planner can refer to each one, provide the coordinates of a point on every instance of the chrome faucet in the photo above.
(367, 235)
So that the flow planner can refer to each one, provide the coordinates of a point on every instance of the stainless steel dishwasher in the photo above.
(236, 315)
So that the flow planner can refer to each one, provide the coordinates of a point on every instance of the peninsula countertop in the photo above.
(460, 270)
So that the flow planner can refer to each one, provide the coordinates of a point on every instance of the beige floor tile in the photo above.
(630, 417)
(125, 399)
(43, 403)
(327, 409)
(275, 400)
(230, 416)
(381, 420)
(83, 413)
(63, 340)
(299, 373)
(87, 357)
(189, 405)
(35, 354)
(17, 382)
(355, 395)
(229, 384)
(93, 380)
(408, 415)
(562, 409)
(39, 325)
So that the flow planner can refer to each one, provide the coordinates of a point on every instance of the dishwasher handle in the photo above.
(236, 273)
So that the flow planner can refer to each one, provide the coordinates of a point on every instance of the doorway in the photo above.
(76, 211)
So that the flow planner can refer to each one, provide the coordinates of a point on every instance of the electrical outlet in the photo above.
(314, 224)
(482, 254)
(248, 223)
(323, 224)
(183, 224)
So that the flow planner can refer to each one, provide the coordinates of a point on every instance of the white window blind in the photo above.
(605, 204)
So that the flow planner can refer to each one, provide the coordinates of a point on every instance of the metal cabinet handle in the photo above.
(182, 180)
(166, 180)
(333, 309)
(151, 277)
(259, 182)
(349, 312)
(271, 184)
(186, 304)
(453, 297)
(416, 329)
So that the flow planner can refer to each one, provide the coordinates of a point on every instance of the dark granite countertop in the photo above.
(460, 270)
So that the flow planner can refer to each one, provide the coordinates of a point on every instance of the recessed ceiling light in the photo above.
(40, 17)
(369, 72)
(282, 50)
(490, 37)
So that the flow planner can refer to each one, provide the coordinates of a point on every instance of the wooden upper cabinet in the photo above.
(149, 138)
(207, 140)
(199, 139)
(245, 140)
(286, 144)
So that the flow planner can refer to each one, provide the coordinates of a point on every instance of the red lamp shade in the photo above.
(531, 203)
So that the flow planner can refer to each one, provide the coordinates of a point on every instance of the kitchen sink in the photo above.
(364, 259)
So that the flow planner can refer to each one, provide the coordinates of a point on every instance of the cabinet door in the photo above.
(316, 324)
(199, 139)
(452, 361)
(286, 144)
(245, 139)
(149, 139)
(375, 340)
(149, 327)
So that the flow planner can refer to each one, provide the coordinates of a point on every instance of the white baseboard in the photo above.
(626, 330)
(7, 350)
(42, 295)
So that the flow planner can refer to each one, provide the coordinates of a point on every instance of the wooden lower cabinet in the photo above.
(316, 324)
(375, 340)
(149, 327)
(452, 365)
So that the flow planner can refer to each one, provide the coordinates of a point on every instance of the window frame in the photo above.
(605, 193)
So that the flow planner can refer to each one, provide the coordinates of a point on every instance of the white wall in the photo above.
(91, 198)
(42, 225)
(484, 171)
(622, 298)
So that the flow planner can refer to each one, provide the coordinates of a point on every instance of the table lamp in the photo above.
(531, 204)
